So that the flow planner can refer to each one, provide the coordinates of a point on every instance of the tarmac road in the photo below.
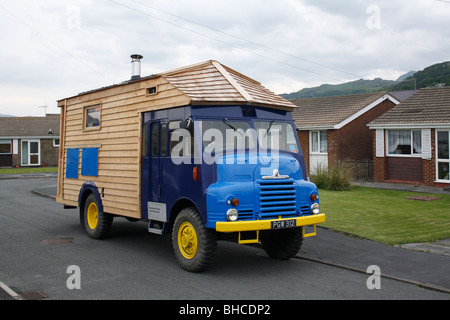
(332, 265)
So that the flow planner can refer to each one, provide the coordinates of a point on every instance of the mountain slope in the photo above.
(429, 77)
(353, 87)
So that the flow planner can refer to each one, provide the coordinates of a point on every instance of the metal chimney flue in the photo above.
(136, 66)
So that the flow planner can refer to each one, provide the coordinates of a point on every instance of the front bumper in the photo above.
(257, 225)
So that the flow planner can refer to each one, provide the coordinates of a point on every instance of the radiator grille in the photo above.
(277, 198)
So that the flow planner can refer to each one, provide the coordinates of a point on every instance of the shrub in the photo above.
(335, 178)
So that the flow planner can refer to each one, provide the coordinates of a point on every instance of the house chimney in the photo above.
(136, 66)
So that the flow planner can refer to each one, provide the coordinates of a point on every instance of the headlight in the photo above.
(315, 208)
(232, 214)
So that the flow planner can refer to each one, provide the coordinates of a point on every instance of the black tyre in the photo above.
(282, 244)
(97, 223)
(194, 245)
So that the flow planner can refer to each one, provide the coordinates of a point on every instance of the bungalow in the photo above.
(411, 141)
(334, 129)
(29, 141)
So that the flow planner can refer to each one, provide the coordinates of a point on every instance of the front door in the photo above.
(31, 153)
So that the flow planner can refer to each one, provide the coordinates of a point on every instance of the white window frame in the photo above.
(411, 155)
(319, 142)
(437, 155)
(28, 164)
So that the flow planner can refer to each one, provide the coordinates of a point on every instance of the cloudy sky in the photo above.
(52, 49)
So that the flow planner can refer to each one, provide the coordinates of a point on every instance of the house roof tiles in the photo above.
(426, 106)
(330, 111)
(16, 127)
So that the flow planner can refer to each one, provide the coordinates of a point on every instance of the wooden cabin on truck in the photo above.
(117, 158)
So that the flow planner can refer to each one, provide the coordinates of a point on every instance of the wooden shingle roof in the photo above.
(333, 112)
(211, 82)
(426, 106)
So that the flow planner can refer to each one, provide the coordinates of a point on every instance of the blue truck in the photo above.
(202, 152)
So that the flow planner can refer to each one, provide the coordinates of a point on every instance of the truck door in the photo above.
(154, 141)
(158, 147)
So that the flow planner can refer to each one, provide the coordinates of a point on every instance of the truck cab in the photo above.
(210, 173)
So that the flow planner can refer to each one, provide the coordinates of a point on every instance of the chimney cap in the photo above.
(136, 57)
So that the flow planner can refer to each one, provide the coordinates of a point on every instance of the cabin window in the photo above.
(155, 139)
(92, 117)
(163, 140)
(280, 134)
(152, 91)
(145, 140)
(181, 141)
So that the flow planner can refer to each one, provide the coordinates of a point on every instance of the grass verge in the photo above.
(28, 170)
(386, 215)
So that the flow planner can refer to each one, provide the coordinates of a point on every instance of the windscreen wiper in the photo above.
(228, 123)
(232, 126)
(269, 127)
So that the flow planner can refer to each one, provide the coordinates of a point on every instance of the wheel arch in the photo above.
(88, 188)
(179, 205)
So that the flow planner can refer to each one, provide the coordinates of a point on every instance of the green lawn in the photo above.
(28, 170)
(385, 215)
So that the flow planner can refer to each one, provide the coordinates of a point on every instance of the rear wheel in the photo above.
(282, 244)
(194, 245)
(96, 222)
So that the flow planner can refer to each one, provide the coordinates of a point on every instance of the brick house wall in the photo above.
(353, 141)
(49, 154)
(303, 136)
(355, 138)
(428, 165)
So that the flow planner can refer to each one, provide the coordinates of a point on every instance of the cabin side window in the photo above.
(92, 116)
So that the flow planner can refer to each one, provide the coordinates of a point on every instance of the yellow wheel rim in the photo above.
(187, 240)
(92, 216)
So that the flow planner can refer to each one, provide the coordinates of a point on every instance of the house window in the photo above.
(56, 142)
(5, 146)
(319, 142)
(405, 142)
(92, 117)
(443, 156)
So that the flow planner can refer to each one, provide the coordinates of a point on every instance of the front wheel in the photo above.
(282, 244)
(194, 245)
